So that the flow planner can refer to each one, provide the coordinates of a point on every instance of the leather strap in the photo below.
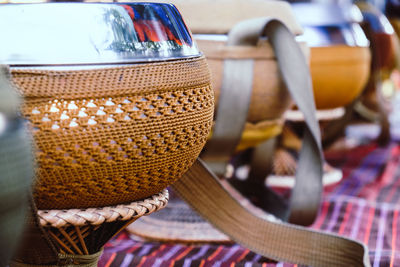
(229, 123)
(265, 235)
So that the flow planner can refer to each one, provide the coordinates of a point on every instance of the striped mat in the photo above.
(364, 206)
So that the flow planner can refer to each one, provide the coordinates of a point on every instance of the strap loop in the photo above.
(236, 92)
(272, 239)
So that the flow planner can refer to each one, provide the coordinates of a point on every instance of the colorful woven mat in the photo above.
(364, 206)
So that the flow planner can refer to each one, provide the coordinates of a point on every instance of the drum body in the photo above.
(339, 52)
(119, 104)
(99, 128)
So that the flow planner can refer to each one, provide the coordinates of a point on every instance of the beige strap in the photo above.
(279, 241)
(9, 99)
(306, 194)
(270, 238)
(232, 113)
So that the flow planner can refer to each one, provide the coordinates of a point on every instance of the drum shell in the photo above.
(339, 74)
(102, 142)
(269, 99)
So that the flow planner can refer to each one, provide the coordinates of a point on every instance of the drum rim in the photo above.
(67, 43)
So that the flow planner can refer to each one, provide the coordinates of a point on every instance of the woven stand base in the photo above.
(331, 176)
(177, 223)
(322, 115)
(79, 235)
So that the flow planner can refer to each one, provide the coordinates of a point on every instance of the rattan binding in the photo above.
(97, 216)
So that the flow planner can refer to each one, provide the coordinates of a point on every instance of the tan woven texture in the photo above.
(97, 216)
(107, 136)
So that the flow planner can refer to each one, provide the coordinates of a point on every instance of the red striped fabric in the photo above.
(365, 206)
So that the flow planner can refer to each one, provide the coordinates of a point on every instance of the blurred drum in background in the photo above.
(375, 102)
(339, 52)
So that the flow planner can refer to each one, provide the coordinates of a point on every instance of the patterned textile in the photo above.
(364, 206)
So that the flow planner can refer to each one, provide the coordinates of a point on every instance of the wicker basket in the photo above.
(84, 128)
(112, 128)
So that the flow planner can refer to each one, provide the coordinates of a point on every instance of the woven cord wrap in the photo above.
(279, 241)
(108, 135)
(96, 216)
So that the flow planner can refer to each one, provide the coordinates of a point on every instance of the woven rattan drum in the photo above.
(339, 61)
(119, 103)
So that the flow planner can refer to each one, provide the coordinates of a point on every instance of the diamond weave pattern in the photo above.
(114, 135)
